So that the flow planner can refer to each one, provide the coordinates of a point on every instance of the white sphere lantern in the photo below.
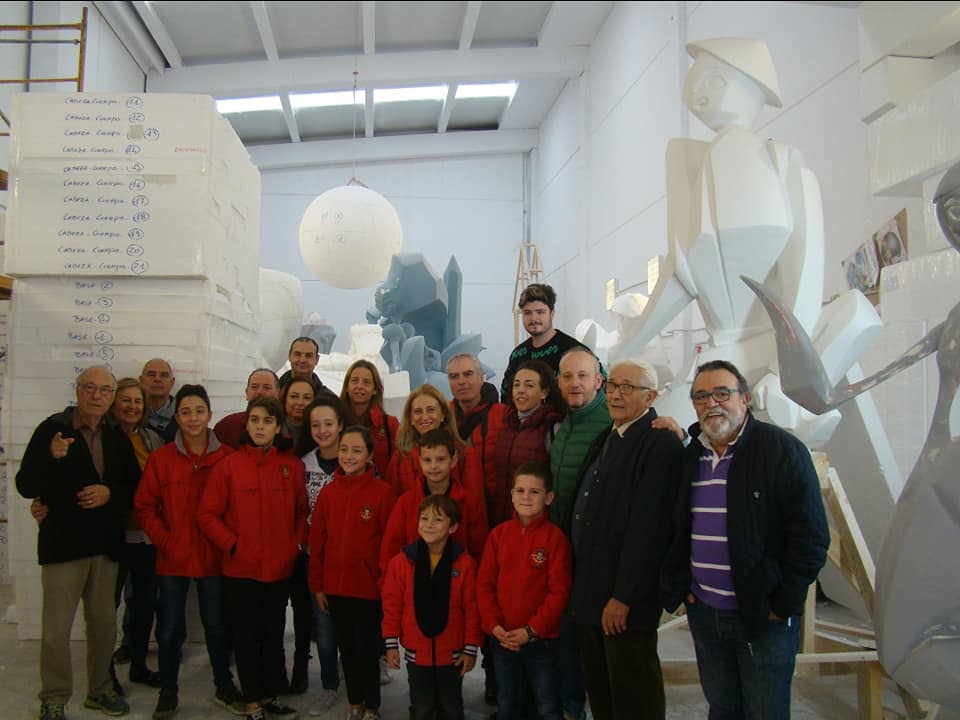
(348, 236)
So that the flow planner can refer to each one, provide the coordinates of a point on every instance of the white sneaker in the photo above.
(371, 715)
(385, 678)
(326, 700)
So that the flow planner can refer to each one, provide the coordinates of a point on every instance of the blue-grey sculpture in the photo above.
(917, 610)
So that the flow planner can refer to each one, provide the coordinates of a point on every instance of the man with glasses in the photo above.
(620, 530)
(85, 472)
(751, 538)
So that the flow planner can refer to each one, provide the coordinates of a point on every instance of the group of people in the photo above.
(544, 534)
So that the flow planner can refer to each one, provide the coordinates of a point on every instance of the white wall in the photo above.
(469, 207)
(599, 208)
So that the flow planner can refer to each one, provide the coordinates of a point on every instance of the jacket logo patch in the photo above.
(756, 494)
(366, 514)
(454, 573)
(538, 557)
(285, 471)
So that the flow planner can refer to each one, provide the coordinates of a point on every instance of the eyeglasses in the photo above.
(626, 389)
(91, 388)
(721, 395)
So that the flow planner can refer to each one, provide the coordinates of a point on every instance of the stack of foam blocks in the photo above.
(133, 232)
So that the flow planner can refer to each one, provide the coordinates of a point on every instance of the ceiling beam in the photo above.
(447, 108)
(129, 29)
(289, 118)
(369, 110)
(265, 28)
(253, 78)
(159, 32)
(469, 25)
(392, 147)
(368, 20)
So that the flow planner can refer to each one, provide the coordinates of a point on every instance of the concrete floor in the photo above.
(830, 698)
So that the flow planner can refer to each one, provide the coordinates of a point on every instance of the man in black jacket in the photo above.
(85, 472)
(751, 537)
(620, 531)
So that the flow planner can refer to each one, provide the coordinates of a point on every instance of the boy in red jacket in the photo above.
(438, 457)
(522, 589)
(429, 606)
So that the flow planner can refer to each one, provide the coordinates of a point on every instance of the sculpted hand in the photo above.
(614, 617)
(38, 510)
(60, 445)
(93, 496)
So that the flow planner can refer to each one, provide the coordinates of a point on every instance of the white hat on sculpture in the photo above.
(748, 55)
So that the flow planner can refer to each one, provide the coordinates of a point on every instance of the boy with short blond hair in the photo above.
(430, 607)
(522, 589)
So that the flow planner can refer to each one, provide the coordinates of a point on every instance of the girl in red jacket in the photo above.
(362, 396)
(346, 530)
(426, 409)
(166, 507)
(255, 510)
(429, 606)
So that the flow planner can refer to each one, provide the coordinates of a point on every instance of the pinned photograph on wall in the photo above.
(891, 240)
(862, 270)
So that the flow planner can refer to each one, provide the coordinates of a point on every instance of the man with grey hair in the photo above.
(157, 380)
(620, 530)
(85, 471)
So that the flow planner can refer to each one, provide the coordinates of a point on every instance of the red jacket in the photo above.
(231, 428)
(254, 509)
(384, 439)
(518, 442)
(166, 506)
(483, 437)
(346, 530)
(404, 472)
(405, 517)
(525, 577)
(461, 635)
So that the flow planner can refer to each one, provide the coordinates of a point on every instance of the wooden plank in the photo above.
(860, 632)
(870, 692)
(808, 623)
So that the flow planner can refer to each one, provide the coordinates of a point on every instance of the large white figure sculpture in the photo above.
(745, 205)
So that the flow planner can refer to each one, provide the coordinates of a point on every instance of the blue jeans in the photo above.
(573, 695)
(744, 675)
(538, 661)
(172, 627)
(325, 636)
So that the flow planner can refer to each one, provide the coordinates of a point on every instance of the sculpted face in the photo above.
(721, 96)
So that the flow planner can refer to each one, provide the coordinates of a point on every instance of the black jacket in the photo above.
(777, 532)
(70, 532)
(626, 525)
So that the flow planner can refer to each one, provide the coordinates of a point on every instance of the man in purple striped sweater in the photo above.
(752, 537)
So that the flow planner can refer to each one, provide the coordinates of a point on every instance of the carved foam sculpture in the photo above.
(742, 204)
(281, 310)
(917, 611)
(348, 235)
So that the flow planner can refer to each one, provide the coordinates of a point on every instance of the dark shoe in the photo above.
(145, 676)
(52, 711)
(166, 705)
(276, 709)
(109, 703)
(299, 682)
(121, 656)
(117, 687)
(230, 698)
(490, 695)
(255, 715)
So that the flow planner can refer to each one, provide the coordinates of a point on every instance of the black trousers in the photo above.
(622, 674)
(256, 616)
(436, 693)
(357, 624)
(302, 610)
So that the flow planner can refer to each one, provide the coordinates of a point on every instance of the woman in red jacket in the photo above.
(346, 530)
(254, 509)
(362, 395)
(427, 409)
(526, 433)
(166, 507)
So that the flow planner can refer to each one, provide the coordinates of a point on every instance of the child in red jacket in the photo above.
(522, 589)
(429, 607)
(346, 530)
(438, 457)
(254, 509)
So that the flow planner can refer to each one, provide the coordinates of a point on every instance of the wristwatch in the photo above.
(531, 634)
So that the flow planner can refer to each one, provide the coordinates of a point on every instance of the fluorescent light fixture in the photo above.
(433, 92)
(339, 98)
(242, 105)
(487, 90)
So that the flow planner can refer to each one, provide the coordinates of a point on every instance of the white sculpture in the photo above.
(348, 236)
(281, 310)
(745, 205)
